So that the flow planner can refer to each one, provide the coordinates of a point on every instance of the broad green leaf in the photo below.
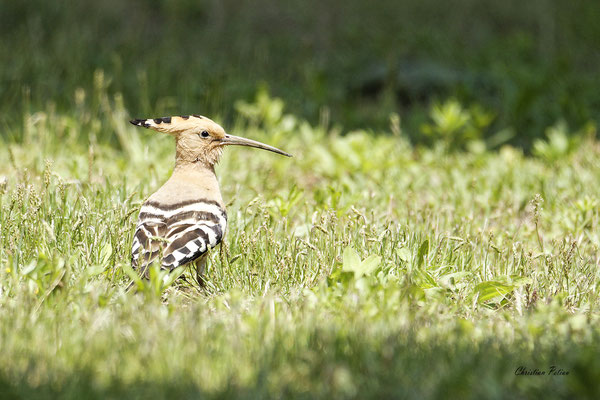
(369, 264)
(491, 289)
(351, 260)
(106, 252)
(404, 254)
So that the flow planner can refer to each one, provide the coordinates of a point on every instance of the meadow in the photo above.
(364, 267)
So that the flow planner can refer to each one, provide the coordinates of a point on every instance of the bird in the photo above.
(186, 216)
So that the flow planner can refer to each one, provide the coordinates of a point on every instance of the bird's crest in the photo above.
(175, 124)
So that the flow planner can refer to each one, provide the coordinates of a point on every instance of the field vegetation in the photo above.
(436, 234)
(364, 267)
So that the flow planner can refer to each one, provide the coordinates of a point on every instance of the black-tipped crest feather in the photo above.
(140, 122)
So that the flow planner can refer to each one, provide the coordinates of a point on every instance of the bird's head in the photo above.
(199, 139)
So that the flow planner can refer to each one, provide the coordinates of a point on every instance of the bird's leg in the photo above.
(200, 267)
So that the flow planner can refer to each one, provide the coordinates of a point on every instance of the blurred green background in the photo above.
(525, 65)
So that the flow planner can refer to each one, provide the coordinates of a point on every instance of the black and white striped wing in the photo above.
(147, 245)
(182, 232)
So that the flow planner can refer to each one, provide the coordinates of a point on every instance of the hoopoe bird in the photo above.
(186, 217)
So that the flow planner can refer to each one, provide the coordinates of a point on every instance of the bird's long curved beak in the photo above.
(240, 141)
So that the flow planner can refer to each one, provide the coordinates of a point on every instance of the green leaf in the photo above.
(518, 281)
(29, 268)
(404, 254)
(369, 264)
(425, 280)
(94, 270)
(133, 275)
(351, 260)
(172, 276)
(423, 250)
(492, 289)
(500, 287)
(352, 263)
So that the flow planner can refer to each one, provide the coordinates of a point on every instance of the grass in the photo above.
(361, 268)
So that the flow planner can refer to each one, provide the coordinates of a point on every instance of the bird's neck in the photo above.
(198, 169)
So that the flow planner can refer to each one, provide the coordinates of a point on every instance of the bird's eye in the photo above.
(204, 134)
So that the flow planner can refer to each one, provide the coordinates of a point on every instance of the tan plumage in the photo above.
(186, 216)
